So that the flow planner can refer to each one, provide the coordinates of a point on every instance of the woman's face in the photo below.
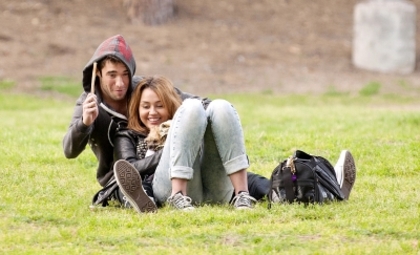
(151, 110)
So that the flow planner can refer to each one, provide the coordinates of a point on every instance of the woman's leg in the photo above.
(224, 161)
(182, 153)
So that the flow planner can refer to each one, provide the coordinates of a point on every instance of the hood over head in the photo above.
(116, 46)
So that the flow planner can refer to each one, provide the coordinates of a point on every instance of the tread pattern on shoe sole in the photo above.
(130, 183)
(349, 174)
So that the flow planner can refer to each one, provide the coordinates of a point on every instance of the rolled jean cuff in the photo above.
(182, 172)
(236, 164)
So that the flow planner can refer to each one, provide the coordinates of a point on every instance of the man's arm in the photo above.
(77, 136)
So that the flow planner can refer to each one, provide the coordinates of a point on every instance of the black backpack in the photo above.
(304, 178)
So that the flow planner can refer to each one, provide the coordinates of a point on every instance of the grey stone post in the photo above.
(384, 36)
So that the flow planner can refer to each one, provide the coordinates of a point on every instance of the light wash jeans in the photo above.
(204, 147)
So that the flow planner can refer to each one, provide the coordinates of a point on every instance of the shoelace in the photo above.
(126, 203)
(181, 202)
(243, 199)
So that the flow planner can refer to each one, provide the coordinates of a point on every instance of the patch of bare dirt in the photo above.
(217, 46)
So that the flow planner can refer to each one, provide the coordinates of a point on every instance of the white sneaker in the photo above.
(345, 170)
(180, 202)
(243, 201)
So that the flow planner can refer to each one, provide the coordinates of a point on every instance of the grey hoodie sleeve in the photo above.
(77, 136)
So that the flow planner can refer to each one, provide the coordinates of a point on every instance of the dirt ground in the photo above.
(283, 46)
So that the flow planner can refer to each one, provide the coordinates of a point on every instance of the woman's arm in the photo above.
(125, 144)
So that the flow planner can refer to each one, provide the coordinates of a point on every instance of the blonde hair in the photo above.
(166, 92)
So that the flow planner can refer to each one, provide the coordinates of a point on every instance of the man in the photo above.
(97, 116)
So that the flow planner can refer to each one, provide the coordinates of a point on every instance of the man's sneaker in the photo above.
(345, 170)
(180, 202)
(243, 201)
(129, 181)
(274, 197)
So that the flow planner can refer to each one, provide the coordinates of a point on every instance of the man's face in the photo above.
(114, 79)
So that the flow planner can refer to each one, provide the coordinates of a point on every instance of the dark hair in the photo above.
(115, 60)
(166, 92)
(111, 58)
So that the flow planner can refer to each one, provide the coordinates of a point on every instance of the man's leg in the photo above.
(258, 185)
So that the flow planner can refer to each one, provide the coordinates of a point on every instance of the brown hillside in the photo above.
(211, 47)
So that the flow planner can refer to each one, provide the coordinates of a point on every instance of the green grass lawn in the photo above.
(44, 204)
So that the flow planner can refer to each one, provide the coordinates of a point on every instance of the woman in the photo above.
(203, 159)
(153, 101)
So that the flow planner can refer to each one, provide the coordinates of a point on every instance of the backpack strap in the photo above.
(276, 181)
(328, 172)
(289, 178)
(284, 175)
(270, 193)
(288, 184)
(102, 196)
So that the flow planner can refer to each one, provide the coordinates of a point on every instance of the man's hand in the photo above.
(90, 109)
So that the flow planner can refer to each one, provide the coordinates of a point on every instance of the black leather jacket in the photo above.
(127, 144)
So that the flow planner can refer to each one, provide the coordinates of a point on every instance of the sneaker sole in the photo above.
(349, 175)
(240, 208)
(129, 181)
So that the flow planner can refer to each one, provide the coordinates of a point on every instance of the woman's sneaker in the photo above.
(345, 170)
(129, 181)
(180, 202)
(243, 201)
